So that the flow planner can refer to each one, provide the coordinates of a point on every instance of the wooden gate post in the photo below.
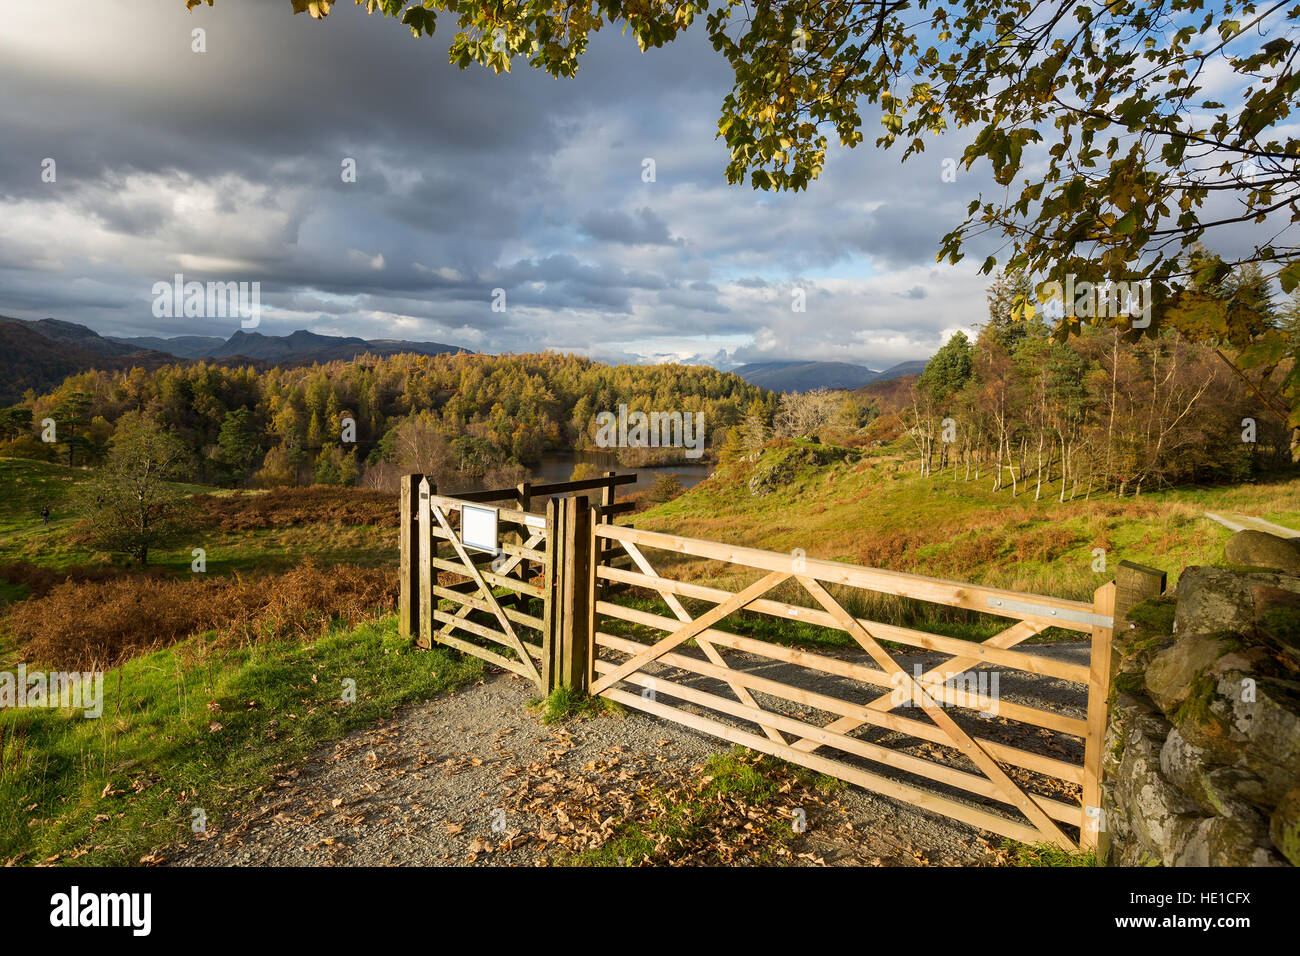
(408, 508)
(1135, 583)
(1103, 604)
(605, 549)
(424, 528)
(552, 586)
(570, 619)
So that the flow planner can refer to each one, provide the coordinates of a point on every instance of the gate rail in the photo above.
(555, 578)
(1037, 817)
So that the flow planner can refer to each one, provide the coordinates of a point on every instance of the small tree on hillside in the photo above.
(804, 414)
(131, 506)
(665, 488)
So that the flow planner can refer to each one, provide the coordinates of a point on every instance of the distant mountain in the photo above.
(806, 376)
(69, 333)
(902, 369)
(41, 354)
(300, 346)
(182, 346)
(304, 346)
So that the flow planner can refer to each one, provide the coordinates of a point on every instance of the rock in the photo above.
(1284, 827)
(1202, 753)
(1277, 618)
(1150, 815)
(1219, 600)
(1226, 791)
(1265, 719)
(766, 480)
(1227, 841)
(1212, 601)
(1173, 673)
(1259, 549)
(1146, 815)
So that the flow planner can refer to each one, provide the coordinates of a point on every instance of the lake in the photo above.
(558, 466)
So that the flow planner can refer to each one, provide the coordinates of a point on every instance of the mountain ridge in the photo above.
(805, 376)
(40, 353)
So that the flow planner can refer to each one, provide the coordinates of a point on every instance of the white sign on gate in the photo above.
(478, 528)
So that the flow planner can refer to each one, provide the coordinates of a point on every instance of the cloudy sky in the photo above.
(227, 164)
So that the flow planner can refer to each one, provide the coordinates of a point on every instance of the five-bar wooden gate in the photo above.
(1031, 772)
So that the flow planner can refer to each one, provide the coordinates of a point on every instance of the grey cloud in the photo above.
(643, 228)
(466, 181)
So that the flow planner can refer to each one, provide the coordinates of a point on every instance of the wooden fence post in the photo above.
(1103, 604)
(605, 549)
(584, 582)
(553, 613)
(408, 509)
(566, 643)
(426, 572)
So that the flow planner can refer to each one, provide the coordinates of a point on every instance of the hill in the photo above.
(181, 346)
(902, 369)
(298, 346)
(40, 355)
(807, 376)
(873, 508)
(887, 396)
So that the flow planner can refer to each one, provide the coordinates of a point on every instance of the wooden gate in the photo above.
(957, 766)
(543, 603)
(511, 604)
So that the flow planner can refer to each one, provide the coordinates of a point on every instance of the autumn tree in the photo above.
(131, 505)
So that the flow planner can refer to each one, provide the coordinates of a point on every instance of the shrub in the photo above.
(82, 625)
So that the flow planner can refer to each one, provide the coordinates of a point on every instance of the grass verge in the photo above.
(1045, 854)
(196, 728)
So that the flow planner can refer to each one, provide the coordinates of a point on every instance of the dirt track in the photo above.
(476, 778)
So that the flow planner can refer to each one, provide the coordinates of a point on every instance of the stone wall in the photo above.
(1202, 763)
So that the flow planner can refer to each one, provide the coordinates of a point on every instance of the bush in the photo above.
(84, 625)
(665, 488)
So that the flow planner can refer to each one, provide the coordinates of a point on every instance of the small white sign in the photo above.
(478, 528)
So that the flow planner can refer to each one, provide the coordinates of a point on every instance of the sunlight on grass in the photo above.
(190, 728)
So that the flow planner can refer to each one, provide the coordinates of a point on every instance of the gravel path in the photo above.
(477, 778)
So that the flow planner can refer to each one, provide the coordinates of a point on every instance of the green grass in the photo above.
(110, 790)
(879, 512)
(1046, 854)
(565, 704)
(30, 485)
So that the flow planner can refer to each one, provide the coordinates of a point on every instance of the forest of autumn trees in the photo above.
(1100, 410)
(465, 419)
